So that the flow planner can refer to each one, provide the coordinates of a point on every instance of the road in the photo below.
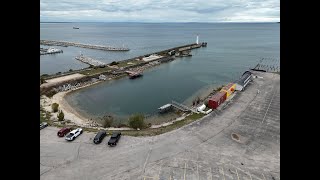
(203, 150)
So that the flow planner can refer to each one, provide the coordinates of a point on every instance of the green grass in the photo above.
(44, 115)
(96, 71)
(125, 64)
(148, 131)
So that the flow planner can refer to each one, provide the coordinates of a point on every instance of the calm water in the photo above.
(232, 49)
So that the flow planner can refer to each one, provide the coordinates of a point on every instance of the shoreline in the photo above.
(70, 113)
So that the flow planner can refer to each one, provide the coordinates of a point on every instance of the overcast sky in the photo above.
(160, 10)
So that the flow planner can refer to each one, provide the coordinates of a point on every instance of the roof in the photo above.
(228, 86)
(243, 78)
(217, 96)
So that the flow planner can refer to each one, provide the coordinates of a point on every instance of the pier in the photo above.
(66, 44)
(268, 65)
(182, 107)
(90, 61)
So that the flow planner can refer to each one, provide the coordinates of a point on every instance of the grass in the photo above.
(124, 64)
(153, 132)
(95, 71)
(44, 115)
(144, 132)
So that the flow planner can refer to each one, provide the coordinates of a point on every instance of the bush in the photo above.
(42, 80)
(60, 116)
(114, 63)
(55, 107)
(137, 121)
(70, 70)
(107, 121)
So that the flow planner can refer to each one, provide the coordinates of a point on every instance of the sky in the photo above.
(159, 10)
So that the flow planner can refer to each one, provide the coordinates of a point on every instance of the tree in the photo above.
(55, 107)
(60, 116)
(137, 121)
(70, 70)
(107, 121)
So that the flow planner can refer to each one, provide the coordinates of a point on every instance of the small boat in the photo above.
(75, 28)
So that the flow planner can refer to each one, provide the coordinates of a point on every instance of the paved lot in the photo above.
(204, 149)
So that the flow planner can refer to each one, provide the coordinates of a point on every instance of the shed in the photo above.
(217, 99)
(243, 81)
(229, 89)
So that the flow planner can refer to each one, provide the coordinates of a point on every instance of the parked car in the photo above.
(43, 125)
(73, 134)
(99, 137)
(114, 138)
(62, 132)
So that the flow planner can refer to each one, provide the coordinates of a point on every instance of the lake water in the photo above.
(232, 49)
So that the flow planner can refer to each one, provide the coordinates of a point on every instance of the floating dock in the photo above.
(66, 44)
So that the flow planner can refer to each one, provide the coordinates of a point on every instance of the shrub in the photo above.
(114, 63)
(42, 80)
(137, 121)
(55, 107)
(70, 70)
(60, 116)
(107, 121)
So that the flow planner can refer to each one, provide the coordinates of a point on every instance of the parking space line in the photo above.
(210, 173)
(185, 169)
(224, 178)
(160, 169)
(204, 162)
(198, 171)
(149, 177)
(237, 174)
(249, 175)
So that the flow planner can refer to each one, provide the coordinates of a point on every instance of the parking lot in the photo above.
(240, 141)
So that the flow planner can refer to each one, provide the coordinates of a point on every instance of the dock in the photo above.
(90, 61)
(89, 46)
(177, 105)
(268, 65)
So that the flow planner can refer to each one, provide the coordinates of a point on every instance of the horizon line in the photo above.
(156, 22)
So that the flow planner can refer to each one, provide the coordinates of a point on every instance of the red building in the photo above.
(217, 99)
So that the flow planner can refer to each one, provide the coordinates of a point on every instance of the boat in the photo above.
(75, 28)
(165, 108)
(54, 50)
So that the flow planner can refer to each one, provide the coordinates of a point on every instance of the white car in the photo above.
(73, 134)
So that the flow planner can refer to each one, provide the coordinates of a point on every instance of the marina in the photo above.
(51, 50)
(66, 44)
(180, 79)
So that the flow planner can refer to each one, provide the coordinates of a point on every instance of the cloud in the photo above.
(160, 11)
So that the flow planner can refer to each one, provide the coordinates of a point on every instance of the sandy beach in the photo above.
(69, 112)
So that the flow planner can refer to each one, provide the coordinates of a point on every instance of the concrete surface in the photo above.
(203, 150)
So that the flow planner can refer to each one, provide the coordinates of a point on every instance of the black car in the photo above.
(99, 137)
(114, 138)
(43, 125)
